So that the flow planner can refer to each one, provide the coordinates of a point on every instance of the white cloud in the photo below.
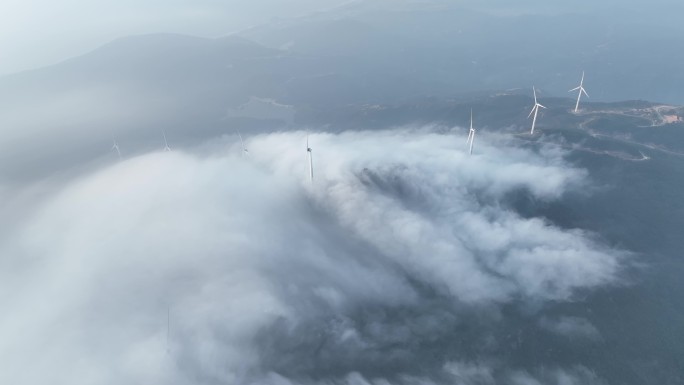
(576, 376)
(571, 327)
(237, 246)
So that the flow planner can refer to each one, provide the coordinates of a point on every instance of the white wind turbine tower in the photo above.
(581, 90)
(309, 152)
(166, 143)
(115, 147)
(242, 144)
(471, 134)
(535, 110)
(168, 328)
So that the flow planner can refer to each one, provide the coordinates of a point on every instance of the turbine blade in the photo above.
(242, 143)
(574, 89)
(311, 175)
(531, 112)
(541, 106)
(166, 143)
(585, 92)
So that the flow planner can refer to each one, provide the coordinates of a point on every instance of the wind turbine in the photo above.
(471, 134)
(581, 90)
(309, 152)
(115, 147)
(168, 328)
(166, 143)
(535, 110)
(242, 144)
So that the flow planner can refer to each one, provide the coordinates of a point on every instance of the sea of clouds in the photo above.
(210, 267)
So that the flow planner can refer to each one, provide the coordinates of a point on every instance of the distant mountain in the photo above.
(131, 88)
(171, 67)
(441, 47)
(314, 70)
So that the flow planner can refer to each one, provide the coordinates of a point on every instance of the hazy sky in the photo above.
(35, 33)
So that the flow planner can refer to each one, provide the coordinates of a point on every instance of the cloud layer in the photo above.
(401, 239)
